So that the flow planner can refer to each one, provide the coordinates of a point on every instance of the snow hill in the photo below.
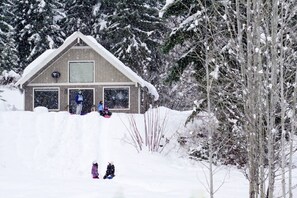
(49, 155)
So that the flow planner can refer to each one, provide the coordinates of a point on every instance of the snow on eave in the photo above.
(91, 41)
(49, 55)
(32, 67)
(44, 59)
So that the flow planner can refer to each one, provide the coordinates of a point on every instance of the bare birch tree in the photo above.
(252, 47)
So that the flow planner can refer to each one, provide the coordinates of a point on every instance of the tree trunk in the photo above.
(283, 108)
(273, 99)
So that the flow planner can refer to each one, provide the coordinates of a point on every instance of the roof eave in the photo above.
(66, 43)
(110, 58)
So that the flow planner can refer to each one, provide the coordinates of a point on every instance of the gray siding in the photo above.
(104, 71)
(98, 96)
(105, 74)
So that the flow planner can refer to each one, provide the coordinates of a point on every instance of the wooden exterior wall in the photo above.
(105, 75)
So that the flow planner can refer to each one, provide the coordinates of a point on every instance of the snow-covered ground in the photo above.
(50, 155)
(13, 99)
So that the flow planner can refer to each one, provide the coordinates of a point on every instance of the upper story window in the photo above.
(81, 72)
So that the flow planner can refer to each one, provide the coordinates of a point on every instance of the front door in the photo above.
(88, 95)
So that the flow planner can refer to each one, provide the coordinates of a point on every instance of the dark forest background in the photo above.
(133, 31)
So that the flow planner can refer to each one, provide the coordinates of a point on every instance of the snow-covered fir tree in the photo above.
(251, 71)
(80, 16)
(201, 38)
(8, 52)
(133, 33)
(35, 29)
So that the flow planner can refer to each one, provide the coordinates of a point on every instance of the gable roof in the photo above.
(39, 63)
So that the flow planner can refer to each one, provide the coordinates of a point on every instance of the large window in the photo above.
(88, 95)
(47, 97)
(81, 72)
(116, 98)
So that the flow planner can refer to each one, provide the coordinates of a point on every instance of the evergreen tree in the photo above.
(201, 40)
(35, 29)
(79, 16)
(103, 11)
(8, 52)
(249, 67)
(133, 33)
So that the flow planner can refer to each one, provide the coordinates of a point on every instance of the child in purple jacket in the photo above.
(94, 171)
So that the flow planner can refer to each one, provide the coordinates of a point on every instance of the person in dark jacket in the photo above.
(109, 171)
(79, 102)
(94, 171)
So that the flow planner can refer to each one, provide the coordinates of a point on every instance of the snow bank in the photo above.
(46, 154)
(52, 153)
(12, 99)
(41, 110)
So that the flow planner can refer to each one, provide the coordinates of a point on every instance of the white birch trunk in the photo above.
(260, 191)
(283, 107)
(249, 111)
(210, 128)
(293, 128)
(271, 157)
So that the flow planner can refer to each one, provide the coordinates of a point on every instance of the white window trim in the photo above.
(81, 61)
(46, 89)
(118, 87)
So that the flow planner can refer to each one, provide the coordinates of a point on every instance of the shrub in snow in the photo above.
(4, 106)
(1, 96)
(153, 136)
(228, 145)
(194, 137)
(9, 77)
(41, 109)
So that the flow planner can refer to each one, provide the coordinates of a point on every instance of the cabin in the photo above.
(54, 78)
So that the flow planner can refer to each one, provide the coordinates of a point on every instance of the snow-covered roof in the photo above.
(40, 62)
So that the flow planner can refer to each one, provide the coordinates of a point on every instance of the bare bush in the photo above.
(153, 132)
(154, 129)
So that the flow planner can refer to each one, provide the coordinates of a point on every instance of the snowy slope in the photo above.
(49, 155)
(13, 99)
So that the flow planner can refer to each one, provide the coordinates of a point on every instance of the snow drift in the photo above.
(46, 154)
